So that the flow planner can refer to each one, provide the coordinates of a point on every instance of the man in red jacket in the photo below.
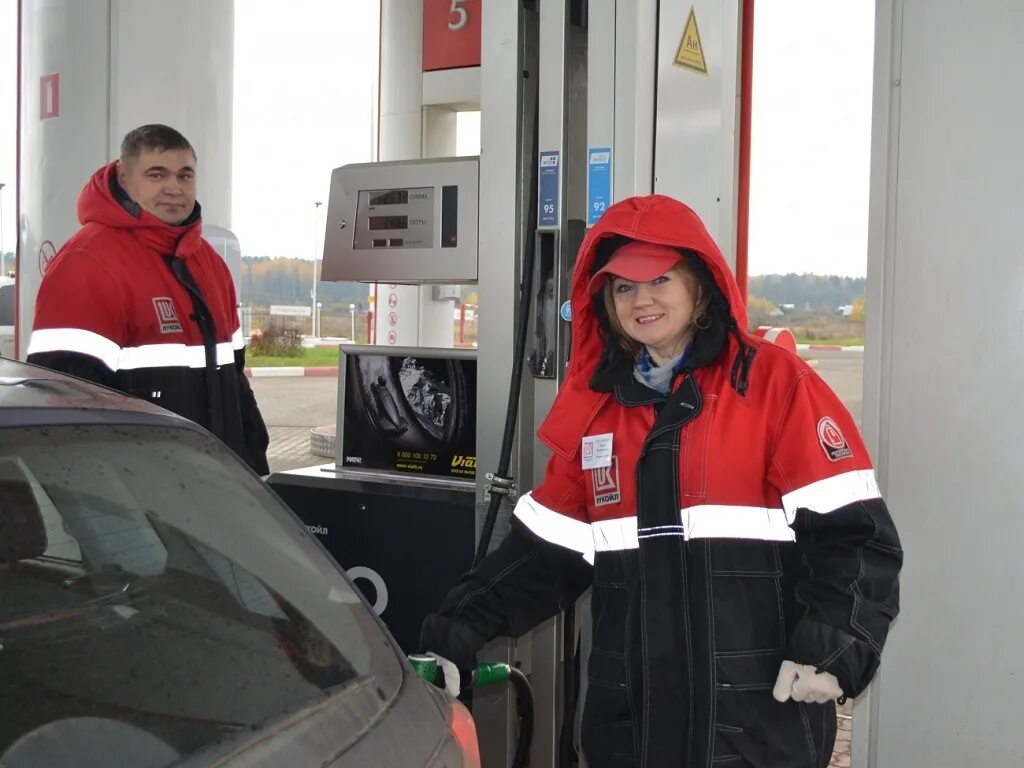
(139, 301)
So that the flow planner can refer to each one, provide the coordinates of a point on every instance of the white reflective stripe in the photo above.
(555, 527)
(715, 521)
(615, 535)
(171, 355)
(237, 340)
(75, 340)
(827, 495)
(130, 358)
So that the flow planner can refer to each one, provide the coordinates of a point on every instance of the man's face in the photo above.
(162, 182)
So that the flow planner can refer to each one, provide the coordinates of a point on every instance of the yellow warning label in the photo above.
(690, 54)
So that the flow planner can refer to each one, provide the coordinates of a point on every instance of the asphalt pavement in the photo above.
(293, 405)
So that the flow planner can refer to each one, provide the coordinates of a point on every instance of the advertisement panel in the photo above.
(409, 411)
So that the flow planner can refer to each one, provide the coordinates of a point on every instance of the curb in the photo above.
(291, 370)
(827, 348)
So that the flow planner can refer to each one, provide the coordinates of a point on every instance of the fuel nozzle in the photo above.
(486, 672)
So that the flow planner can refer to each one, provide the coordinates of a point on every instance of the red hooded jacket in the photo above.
(149, 308)
(738, 524)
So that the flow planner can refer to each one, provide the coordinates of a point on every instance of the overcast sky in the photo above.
(304, 73)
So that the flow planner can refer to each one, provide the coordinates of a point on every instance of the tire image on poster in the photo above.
(410, 414)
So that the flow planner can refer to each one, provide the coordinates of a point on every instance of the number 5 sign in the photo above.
(451, 34)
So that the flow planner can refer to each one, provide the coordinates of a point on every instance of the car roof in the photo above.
(27, 386)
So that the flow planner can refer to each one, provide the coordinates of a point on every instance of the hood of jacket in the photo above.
(651, 218)
(103, 201)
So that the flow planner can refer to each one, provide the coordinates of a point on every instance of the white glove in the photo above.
(452, 677)
(801, 682)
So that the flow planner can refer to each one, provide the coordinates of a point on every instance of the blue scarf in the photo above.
(659, 377)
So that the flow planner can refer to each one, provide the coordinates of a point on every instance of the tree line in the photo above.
(807, 291)
(266, 281)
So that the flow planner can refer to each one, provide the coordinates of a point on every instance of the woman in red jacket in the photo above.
(716, 495)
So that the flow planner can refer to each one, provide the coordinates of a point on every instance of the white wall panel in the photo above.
(696, 153)
(945, 379)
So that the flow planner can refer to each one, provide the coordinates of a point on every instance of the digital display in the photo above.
(388, 222)
(391, 197)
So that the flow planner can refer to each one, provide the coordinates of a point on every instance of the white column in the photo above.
(89, 74)
(406, 314)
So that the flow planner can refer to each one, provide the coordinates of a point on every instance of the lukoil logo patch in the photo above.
(832, 440)
(166, 316)
(606, 484)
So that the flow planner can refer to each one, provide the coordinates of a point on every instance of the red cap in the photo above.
(638, 262)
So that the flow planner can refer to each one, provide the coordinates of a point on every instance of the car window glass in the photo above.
(148, 579)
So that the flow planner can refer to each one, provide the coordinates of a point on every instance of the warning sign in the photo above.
(690, 54)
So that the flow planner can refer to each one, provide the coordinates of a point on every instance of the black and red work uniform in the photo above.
(738, 525)
(149, 308)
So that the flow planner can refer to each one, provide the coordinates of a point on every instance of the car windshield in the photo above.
(154, 594)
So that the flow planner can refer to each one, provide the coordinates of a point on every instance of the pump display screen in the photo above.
(396, 218)
(399, 222)
(375, 223)
(391, 197)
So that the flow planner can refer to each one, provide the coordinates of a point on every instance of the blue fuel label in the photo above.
(599, 182)
(547, 203)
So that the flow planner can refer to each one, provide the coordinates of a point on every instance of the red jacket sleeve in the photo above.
(556, 510)
(79, 309)
(542, 566)
(845, 536)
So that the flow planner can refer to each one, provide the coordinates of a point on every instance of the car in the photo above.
(160, 605)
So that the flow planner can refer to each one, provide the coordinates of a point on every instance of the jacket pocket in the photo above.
(748, 613)
(608, 727)
(752, 728)
(694, 448)
(166, 387)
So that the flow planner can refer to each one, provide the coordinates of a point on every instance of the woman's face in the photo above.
(657, 314)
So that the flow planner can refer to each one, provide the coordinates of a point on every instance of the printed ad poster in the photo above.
(414, 415)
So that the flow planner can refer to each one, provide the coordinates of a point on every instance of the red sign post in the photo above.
(451, 34)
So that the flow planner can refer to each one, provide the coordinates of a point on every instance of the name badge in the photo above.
(597, 451)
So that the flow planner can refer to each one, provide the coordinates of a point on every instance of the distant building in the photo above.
(846, 310)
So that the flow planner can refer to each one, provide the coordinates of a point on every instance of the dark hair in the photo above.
(153, 136)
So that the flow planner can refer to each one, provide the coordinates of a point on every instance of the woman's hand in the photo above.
(802, 682)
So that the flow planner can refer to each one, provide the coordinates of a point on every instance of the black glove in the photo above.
(455, 641)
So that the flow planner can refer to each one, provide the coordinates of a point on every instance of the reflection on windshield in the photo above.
(150, 584)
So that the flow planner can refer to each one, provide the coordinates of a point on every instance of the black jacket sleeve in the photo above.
(76, 364)
(851, 594)
(518, 585)
(254, 430)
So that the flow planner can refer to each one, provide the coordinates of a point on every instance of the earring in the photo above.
(703, 322)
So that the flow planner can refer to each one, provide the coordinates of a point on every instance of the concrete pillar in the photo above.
(92, 70)
(407, 315)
